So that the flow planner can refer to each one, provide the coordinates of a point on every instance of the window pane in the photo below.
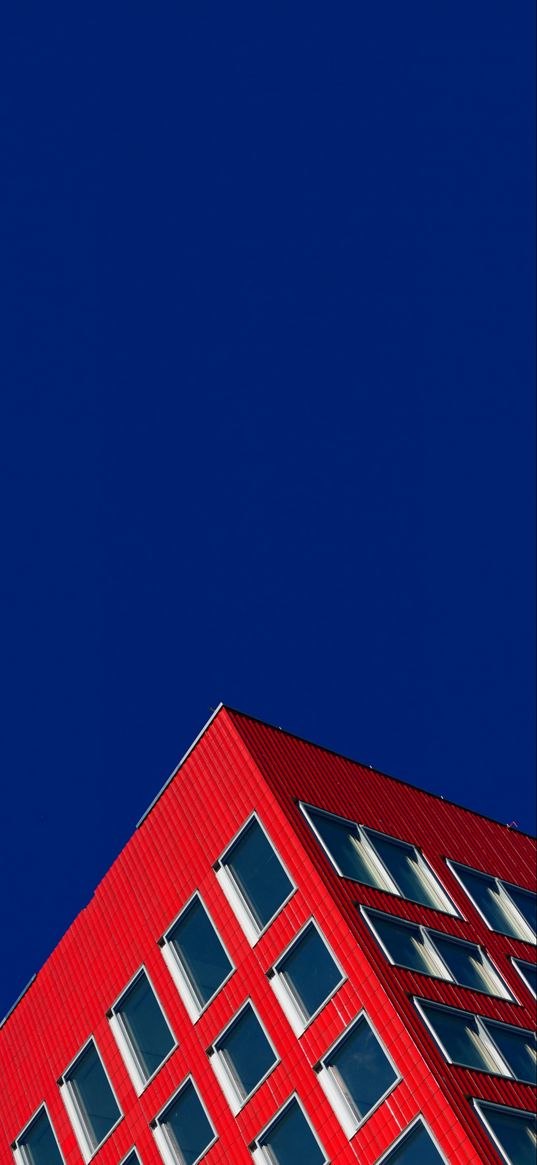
(528, 972)
(290, 1139)
(416, 1148)
(518, 1048)
(412, 878)
(516, 1133)
(187, 1126)
(39, 1145)
(310, 971)
(361, 1069)
(486, 894)
(406, 946)
(460, 1036)
(200, 952)
(526, 902)
(342, 840)
(247, 1052)
(259, 874)
(468, 966)
(144, 1023)
(93, 1095)
(132, 1159)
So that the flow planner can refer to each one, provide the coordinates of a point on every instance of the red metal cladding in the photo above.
(238, 766)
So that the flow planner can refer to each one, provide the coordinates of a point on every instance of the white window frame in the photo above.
(344, 1111)
(122, 1038)
(82, 1136)
(444, 905)
(223, 1073)
(429, 935)
(419, 1120)
(164, 1144)
(485, 1035)
(19, 1153)
(479, 1105)
(286, 997)
(518, 964)
(259, 1152)
(134, 1150)
(527, 934)
(232, 891)
(178, 973)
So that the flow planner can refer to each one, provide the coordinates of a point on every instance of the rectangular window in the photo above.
(242, 1057)
(289, 1139)
(254, 879)
(415, 1147)
(417, 948)
(196, 957)
(305, 977)
(37, 1145)
(183, 1130)
(513, 1131)
(89, 1100)
(474, 1041)
(357, 1075)
(505, 908)
(142, 1031)
(386, 863)
(528, 971)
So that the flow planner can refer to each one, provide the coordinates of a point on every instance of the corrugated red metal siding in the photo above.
(298, 770)
(169, 857)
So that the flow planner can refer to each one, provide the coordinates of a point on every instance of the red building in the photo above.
(294, 960)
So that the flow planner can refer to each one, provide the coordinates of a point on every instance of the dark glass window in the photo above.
(507, 909)
(187, 1127)
(411, 874)
(200, 952)
(345, 846)
(361, 1069)
(258, 874)
(93, 1096)
(515, 1131)
(38, 1145)
(309, 971)
(528, 972)
(132, 1159)
(145, 1027)
(290, 1140)
(468, 965)
(246, 1052)
(405, 944)
(417, 1148)
(518, 1048)
(463, 1039)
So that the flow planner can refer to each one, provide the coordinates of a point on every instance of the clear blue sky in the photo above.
(267, 423)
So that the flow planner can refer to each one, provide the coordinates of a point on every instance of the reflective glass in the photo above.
(518, 1048)
(516, 1132)
(200, 952)
(528, 972)
(412, 877)
(343, 842)
(290, 1139)
(258, 873)
(417, 1148)
(309, 971)
(246, 1052)
(93, 1096)
(148, 1033)
(361, 1069)
(462, 1039)
(468, 966)
(187, 1126)
(406, 946)
(526, 902)
(494, 906)
(38, 1145)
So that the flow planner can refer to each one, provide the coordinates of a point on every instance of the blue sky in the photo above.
(268, 418)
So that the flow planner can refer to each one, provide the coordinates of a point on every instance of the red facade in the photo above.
(239, 766)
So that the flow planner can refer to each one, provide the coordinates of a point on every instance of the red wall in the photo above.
(239, 765)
